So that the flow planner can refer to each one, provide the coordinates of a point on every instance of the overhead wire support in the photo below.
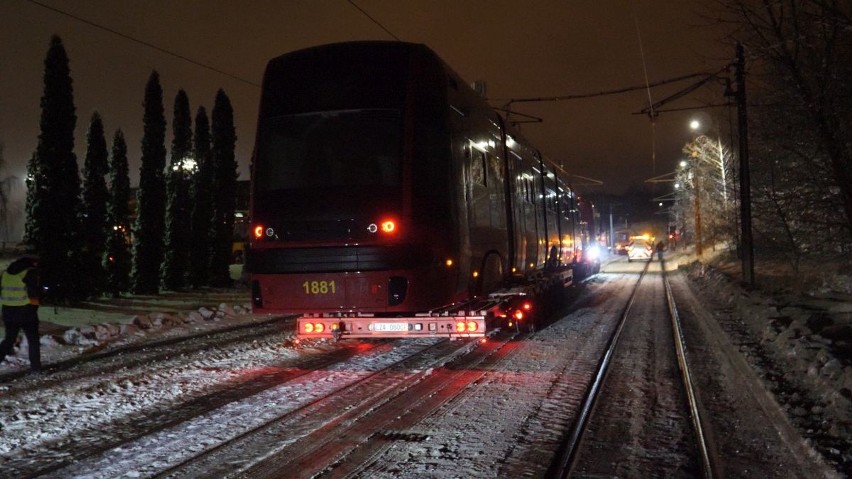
(605, 92)
(653, 110)
(507, 108)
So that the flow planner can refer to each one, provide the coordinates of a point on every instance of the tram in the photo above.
(384, 185)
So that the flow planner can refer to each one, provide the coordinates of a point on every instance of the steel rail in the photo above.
(570, 446)
(253, 328)
(563, 465)
(368, 403)
(708, 471)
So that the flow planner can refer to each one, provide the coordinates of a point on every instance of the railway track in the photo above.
(62, 397)
(338, 434)
(274, 396)
(394, 408)
(155, 350)
(571, 450)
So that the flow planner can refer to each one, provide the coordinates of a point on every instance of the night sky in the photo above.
(521, 49)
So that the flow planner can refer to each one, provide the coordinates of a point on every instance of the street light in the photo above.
(694, 125)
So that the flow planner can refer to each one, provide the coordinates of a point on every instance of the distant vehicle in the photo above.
(622, 239)
(640, 247)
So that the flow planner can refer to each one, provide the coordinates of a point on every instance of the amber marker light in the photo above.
(518, 314)
(460, 326)
(309, 328)
(258, 231)
(319, 327)
(471, 326)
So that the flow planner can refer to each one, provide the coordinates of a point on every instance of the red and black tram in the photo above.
(382, 184)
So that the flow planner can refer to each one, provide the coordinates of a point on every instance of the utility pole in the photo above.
(696, 186)
(745, 180)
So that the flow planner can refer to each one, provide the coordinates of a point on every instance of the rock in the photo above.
(226, 310)
(76, 337)
(143, 322)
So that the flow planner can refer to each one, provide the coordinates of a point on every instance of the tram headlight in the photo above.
(594, 253)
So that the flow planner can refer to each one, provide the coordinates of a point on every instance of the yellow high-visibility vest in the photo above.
(13, 290)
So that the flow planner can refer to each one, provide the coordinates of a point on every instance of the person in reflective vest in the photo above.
(19, 293)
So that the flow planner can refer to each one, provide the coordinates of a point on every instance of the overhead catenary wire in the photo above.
(352, 2)
(648, 89)
(616, 91)
(178, 55)
(144, 43)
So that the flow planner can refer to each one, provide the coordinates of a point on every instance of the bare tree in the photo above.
(802, 50)
(704, 191)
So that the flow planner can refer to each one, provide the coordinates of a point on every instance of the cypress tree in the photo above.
(31, 232)
(95, 197)
(202, 203)
(178, 211)
(225, 188)
(149, 228)
(117, 259)
(54, 206)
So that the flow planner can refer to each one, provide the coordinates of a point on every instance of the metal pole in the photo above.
(611, 231)
(745, 180)
(695, 184)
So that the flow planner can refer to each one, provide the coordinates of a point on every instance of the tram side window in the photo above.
(497, 195)
(477, 168)
(479, 207)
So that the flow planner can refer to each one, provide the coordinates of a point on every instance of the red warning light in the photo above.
(388, 226)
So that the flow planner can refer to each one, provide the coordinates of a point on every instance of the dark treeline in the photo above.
(82, 230)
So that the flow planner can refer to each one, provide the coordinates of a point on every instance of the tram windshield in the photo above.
(339, 149)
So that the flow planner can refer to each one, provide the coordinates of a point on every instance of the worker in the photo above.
(19, 293)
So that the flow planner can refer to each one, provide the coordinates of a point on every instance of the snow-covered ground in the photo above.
(799, 342)
(805, 338)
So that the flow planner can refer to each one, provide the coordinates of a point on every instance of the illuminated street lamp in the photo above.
(694, 125)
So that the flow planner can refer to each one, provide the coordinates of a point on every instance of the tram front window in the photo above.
(330, 150)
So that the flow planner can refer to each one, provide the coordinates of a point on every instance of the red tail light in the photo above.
(388, 226)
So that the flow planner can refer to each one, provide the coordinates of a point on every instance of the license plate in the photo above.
(390, 327)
